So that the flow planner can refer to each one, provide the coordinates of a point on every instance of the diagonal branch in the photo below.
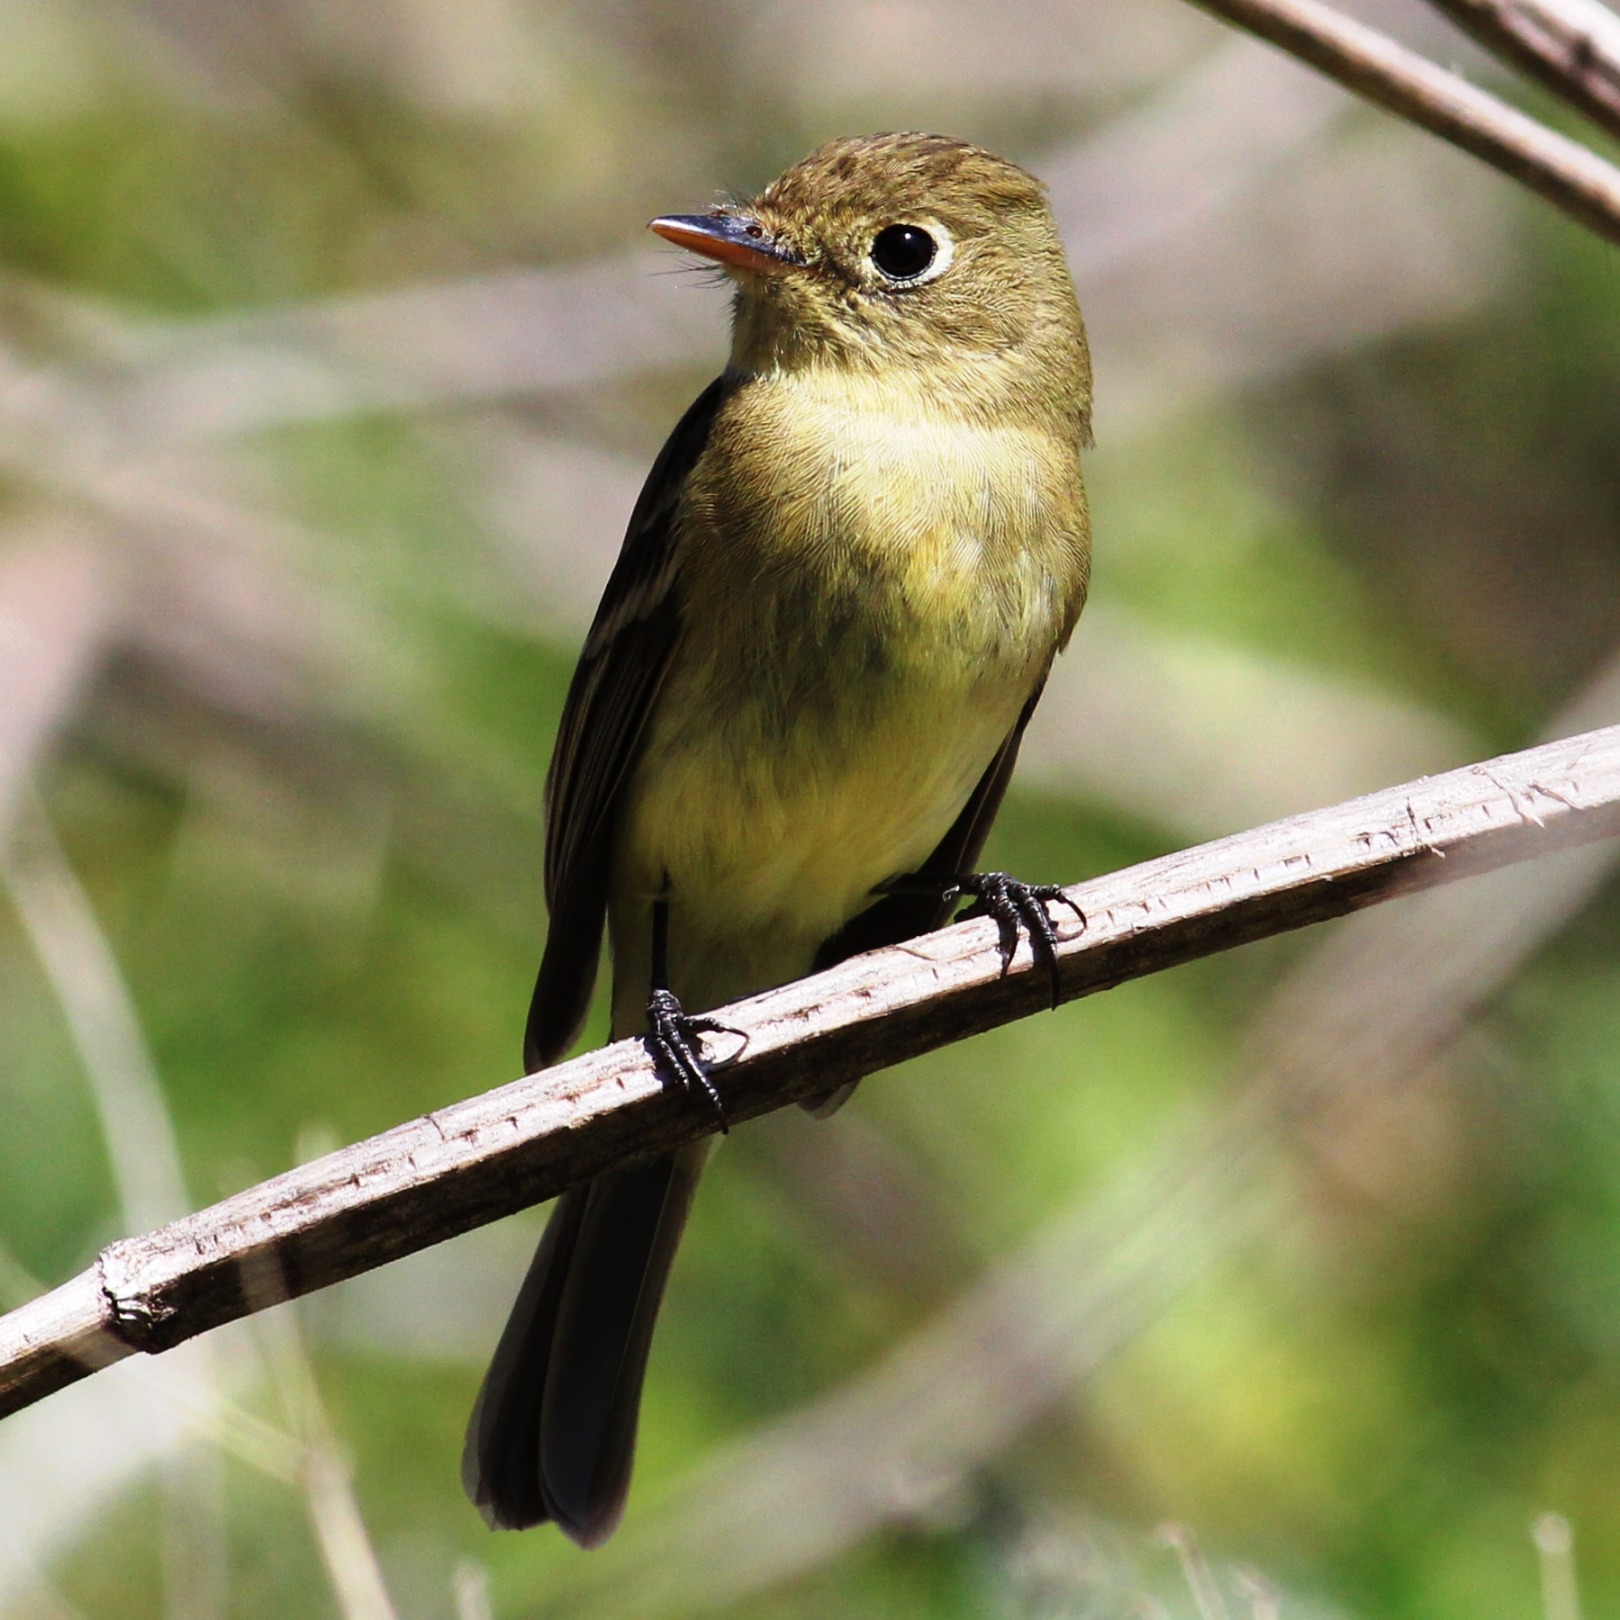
(477, 1160)
(1584, 185)
(1571, 46)
(1351, 1025)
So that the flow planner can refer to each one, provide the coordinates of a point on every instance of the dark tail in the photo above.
(554, 1431)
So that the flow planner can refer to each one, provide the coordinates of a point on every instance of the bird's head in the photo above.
(914, 259)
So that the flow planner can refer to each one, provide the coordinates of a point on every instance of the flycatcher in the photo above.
(799, 705)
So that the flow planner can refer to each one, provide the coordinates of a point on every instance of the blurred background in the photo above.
(332, 351)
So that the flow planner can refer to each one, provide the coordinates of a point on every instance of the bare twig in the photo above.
(1569, 176)
(1571, 46)
(477, 1160)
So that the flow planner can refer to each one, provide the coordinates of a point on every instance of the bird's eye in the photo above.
(903, 252)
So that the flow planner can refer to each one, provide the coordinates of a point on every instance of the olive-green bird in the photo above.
(800, 702)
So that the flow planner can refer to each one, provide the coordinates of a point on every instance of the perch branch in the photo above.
(1571, 46)
(1584, 185)
(477, 1160)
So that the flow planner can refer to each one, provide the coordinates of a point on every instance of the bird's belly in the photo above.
(768, 832)
(802, 828)
(865, 629)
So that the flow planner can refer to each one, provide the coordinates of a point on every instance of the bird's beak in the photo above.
(737, 241)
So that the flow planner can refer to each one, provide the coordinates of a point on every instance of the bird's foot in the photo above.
(676, 1039)
(1018, 908)
(1021, 908)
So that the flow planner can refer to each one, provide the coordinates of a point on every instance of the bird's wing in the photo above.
(614, 687)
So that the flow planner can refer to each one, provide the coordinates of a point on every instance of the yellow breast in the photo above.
(871, 596)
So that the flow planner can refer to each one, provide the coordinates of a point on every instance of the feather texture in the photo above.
(839, 596)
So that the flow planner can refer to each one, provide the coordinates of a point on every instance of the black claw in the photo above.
(677, 1048)
(1021, 908)
(1017, 908)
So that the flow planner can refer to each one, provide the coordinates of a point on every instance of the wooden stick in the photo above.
(1574, 179)
(1571, 46)
(478, 1160)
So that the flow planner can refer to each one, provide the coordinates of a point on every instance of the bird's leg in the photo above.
(1017, 907)
(674, 1036)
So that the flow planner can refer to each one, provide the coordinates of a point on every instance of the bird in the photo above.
(797, 710)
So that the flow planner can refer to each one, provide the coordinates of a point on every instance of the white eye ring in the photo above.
(944, 251)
